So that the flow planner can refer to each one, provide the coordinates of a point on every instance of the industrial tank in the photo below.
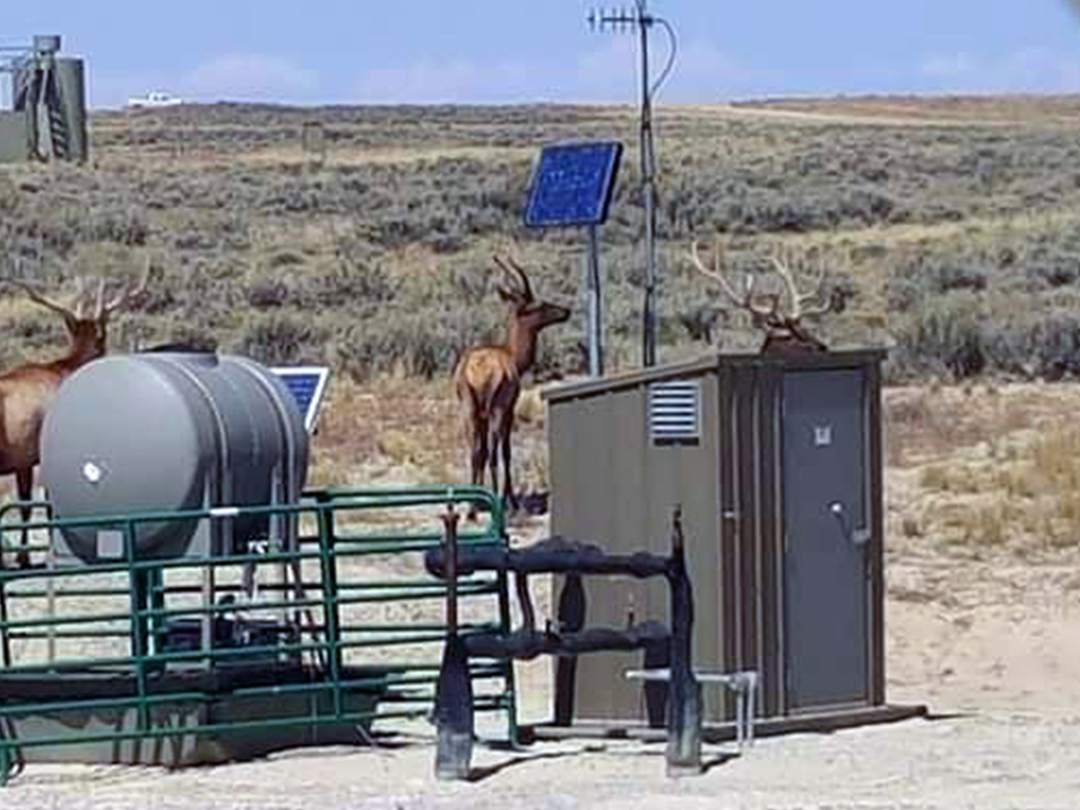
(165, 433)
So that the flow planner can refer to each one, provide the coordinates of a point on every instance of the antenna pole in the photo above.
(649, 194)
(643, 21)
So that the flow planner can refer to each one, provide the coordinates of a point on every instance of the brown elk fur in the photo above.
(26, 391)
(487, 379)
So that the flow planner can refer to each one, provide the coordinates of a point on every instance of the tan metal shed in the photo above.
(777, 466)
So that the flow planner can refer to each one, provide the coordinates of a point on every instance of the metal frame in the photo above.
(328, 644)
(743, 684)
(605, 187)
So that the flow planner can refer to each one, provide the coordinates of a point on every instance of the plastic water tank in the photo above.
(165, 433)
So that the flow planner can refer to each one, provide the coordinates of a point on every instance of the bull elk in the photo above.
(784, 331)
(26, 391)
(487, 379)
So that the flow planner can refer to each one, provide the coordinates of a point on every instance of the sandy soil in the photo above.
(987, 760)
(996, 662)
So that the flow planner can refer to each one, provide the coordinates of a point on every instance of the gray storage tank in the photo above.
(165, 433)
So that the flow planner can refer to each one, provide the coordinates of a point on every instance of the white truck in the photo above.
(155, 99)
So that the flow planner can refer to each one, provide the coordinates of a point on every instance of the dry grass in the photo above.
(223, 192)
(398, 430)
(985, 469)
(943, 110)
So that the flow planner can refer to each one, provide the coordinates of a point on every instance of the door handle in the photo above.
(858, 537)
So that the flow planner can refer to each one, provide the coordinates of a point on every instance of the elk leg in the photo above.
(493, 451)
(479, 453)
(479, 458)
(24, 483)
(508, 486)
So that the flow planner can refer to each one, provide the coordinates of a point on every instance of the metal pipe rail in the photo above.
(454, 699)
(135, 625)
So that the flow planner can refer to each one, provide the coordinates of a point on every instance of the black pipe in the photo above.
(453, 695)
(571, 618)
(526, 644)
(555, 555)
(684, 692)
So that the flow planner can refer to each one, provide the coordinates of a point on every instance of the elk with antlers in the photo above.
(487, 379)
(26, 391)
(784, 332)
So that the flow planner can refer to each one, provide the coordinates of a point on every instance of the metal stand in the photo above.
(684, 692)
(557, 555)
(596, 307)
(453, 697)
(648, 191)
(743, 684)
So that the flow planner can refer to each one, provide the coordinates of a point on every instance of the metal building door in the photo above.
(826, 537)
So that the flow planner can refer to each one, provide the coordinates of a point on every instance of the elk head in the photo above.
(86, 325)
(530, 315)
(25, 392)
(784, 331)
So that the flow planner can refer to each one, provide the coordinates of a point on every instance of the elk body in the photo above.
(487, 379)
(784, 331)
(26, 391)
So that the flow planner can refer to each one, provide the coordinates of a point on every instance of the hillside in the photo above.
(954, 220)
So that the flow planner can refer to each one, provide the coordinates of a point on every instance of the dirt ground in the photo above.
(986, 637)
(980, 760)
(997, 667)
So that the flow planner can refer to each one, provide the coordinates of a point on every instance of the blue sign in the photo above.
(572, 184)
(307, 384)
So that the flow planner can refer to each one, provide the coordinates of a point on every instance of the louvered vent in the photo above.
(675, 411)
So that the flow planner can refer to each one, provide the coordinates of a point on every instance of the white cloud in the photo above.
(1032, 69)
(248, 77)
(606, 73)
(457, 81)
(948, 67)
(702, 73)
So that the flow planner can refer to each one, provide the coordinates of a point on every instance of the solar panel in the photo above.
(307, 384)
(572, 184)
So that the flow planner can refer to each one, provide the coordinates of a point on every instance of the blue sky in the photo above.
(485, 51)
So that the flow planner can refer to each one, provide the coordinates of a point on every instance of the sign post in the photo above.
(596, 307)
(572, 186)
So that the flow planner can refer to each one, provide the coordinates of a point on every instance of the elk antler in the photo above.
(38, 298)
(513, 270)
(745, 301)
(799, 300)
(129, 293)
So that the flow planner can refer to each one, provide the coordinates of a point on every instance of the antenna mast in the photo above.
(640, 20)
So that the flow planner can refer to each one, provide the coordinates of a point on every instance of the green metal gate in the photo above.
(188, 659)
